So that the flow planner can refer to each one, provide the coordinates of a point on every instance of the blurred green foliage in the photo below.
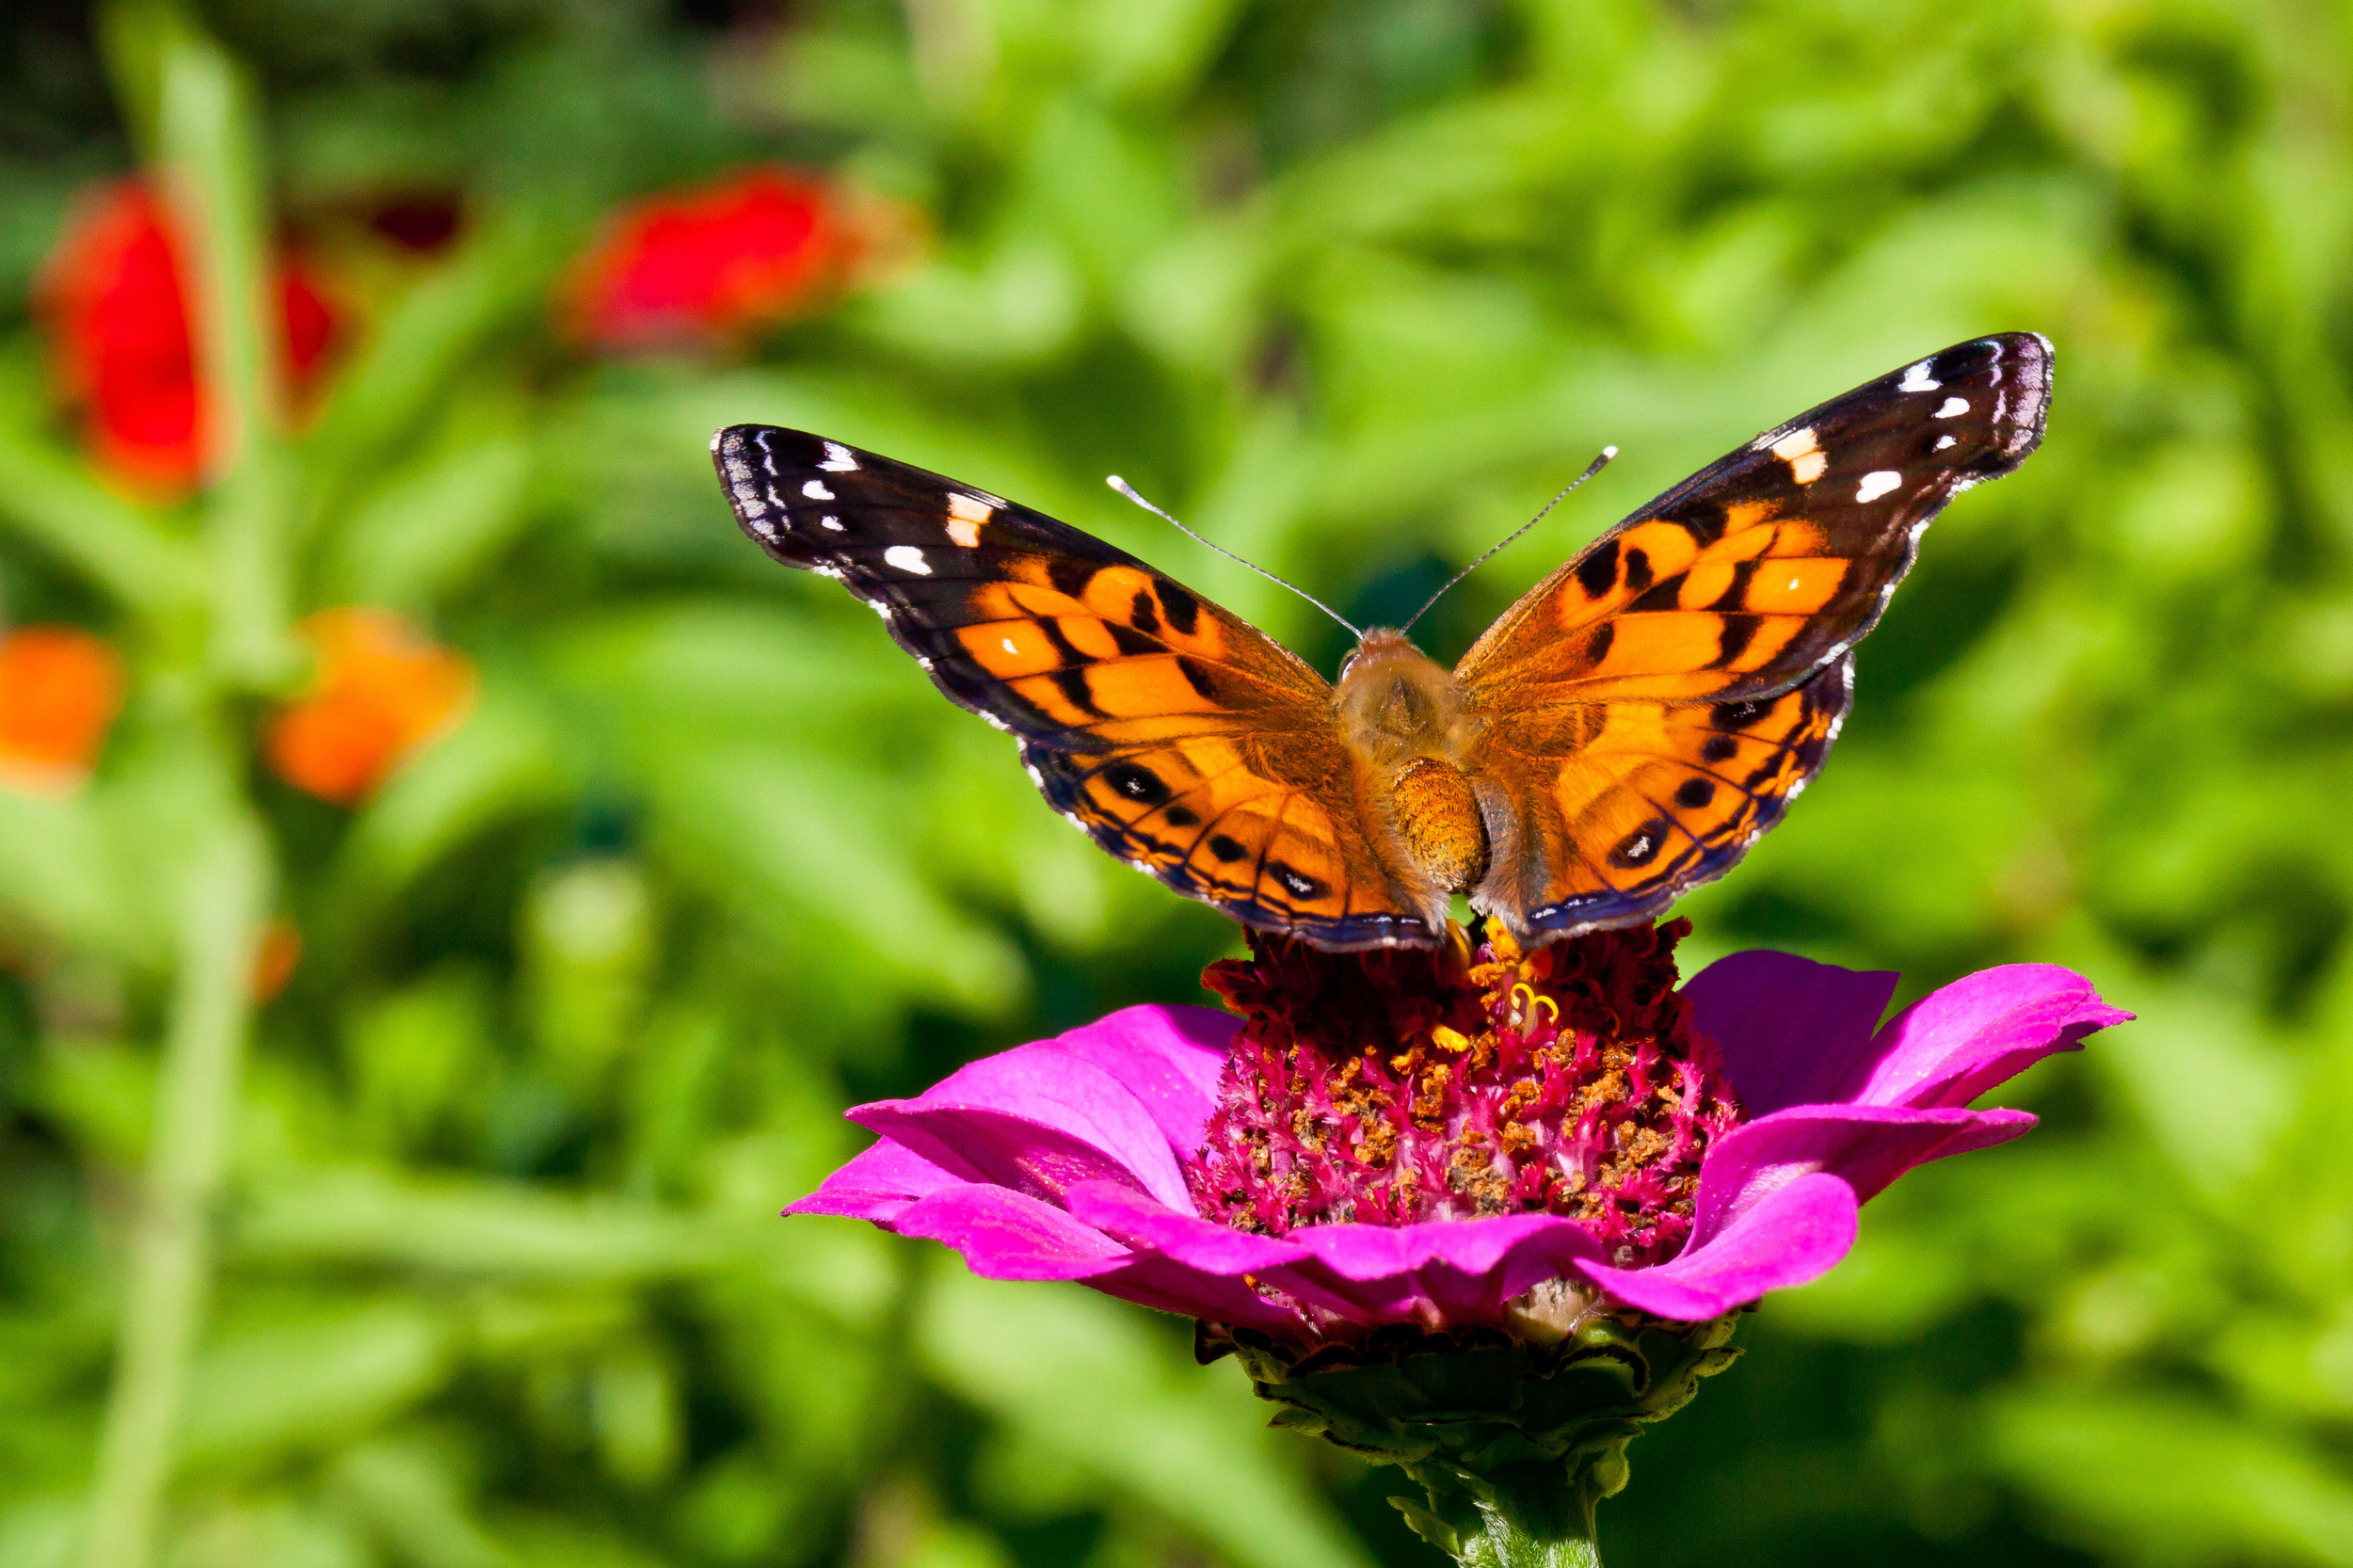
(1352, 286)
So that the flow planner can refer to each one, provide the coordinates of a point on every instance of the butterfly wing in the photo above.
(1177, 735)
(1655, 704)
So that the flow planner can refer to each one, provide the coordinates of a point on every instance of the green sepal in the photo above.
(1513, 1441)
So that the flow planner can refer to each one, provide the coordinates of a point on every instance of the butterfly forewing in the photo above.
(1764, 566)
(1721, 615)
(1180, 737)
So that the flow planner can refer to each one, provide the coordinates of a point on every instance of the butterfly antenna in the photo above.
(1591, 469)
(1115, 482)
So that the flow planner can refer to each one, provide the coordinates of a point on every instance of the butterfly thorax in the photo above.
(1410, 726)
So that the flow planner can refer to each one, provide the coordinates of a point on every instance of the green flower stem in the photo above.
(208, 148)
(1520, 1516)
(224, 897)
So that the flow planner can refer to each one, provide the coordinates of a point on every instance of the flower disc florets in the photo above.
(1396, 1087)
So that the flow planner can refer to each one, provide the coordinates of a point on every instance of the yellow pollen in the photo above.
(1450, 1039)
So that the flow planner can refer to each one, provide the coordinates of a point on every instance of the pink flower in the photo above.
(1089, 1157)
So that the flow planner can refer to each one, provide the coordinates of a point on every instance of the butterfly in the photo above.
(1623, 734)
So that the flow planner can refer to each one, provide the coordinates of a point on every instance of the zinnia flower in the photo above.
(60, 691)
(112, 297)
(713, 264)
(1480, 1214)
(1455, 1139)
(379, 693)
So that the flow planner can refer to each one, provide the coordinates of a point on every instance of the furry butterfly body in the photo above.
(1621, 735)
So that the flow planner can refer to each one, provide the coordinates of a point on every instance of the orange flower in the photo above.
(112, 297)
(380, 693)
(60, 691)
(714, 262)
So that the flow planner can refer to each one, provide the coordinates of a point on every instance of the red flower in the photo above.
(712, 263)
(113, 301)
(60, 691)
(381, 692)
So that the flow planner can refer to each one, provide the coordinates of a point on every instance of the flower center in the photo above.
(1397, 1086)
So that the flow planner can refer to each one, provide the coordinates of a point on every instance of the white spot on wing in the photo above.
(964, 532)
(837, 459)
(970, 507)
(1009, 648)
(907, 558)
(1918, 379)
(1951, 407)
(815, 489)
(1877, 483)
(1944, 441)
(1803, 455)
(831, 522)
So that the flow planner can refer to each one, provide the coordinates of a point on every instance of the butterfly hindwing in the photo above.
(1177, 735)
(1740, 590)
(1659, 798)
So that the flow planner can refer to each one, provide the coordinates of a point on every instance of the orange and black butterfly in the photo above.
(1623, 734)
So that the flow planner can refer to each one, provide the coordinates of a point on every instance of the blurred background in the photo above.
(450, 882)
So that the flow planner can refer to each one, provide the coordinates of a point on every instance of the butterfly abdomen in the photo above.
(1433, 809)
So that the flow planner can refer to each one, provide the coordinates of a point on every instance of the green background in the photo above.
(494, 1275)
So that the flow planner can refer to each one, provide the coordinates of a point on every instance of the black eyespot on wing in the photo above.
(1182, 610)
(1197, 675)
(1598, 572)
(1069, 577)
(1637, 575)
(1177, 816)
(1642, 846)
(1695, 792)
(1732, 641)
(1226, 849)
(1295, 882)
(1719, 749)
(1138, 783)
(1141, 615)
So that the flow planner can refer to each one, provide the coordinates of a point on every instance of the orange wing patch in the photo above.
(1660, 798)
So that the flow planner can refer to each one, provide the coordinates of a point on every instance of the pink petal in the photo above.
(1167, 1285)
(1148, 1226)
(877, 1185)
(1462, 1270)
(1167, 1057)
(1007, 1234)
(1955, 1044)
(1791, 1030)
(1796, 1234)
(1035, 1118)
(1866, 1147)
